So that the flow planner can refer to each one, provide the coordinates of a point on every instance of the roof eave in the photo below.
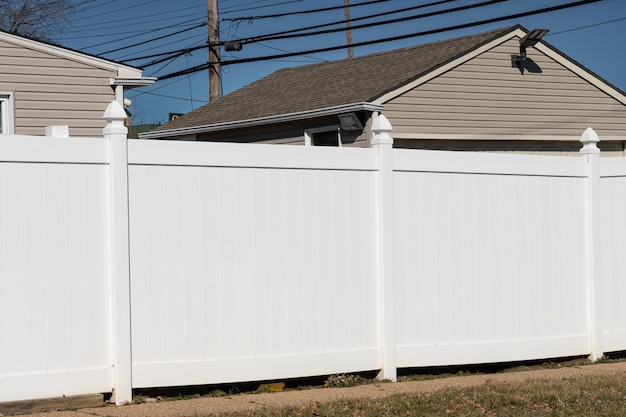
(283, 118)
(133, 82)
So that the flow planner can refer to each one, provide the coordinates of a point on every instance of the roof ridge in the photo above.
(499, 32)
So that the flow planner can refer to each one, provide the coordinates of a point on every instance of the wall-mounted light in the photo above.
(530, 39)
(350, 122)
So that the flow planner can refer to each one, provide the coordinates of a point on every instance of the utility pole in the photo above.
(346, 12)
(215, 72)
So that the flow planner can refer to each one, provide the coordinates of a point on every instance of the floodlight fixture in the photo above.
(350, 122)
(530, 39)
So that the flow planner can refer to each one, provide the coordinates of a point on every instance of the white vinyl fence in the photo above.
(133, 264)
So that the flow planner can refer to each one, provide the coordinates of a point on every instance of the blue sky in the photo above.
(591, 34)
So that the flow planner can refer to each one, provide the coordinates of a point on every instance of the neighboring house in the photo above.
(467, 93)
(42, 84)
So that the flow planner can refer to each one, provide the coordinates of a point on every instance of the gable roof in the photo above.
(301, 89)
(124, 72)
(361, 83)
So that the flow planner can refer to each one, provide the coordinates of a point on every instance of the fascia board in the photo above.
(263, 121)
(449, 66)
(133, 82)
(122, 71)
(581, 71)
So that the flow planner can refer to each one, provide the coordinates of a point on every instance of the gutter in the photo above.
(133, 82)
(311, 114)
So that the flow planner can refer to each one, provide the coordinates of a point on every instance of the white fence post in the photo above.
(116, 134)
(383, 143)
(591, 152)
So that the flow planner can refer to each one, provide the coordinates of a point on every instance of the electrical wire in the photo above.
(588, 26)
(177, 41)
(369, 25)
(154, 39)
(110, 24)
(325, 9)
(389, 39)
(356, 19)
(288, 34)
(260, 7)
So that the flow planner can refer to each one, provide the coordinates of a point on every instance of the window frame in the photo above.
(310, 133)
(6, 113)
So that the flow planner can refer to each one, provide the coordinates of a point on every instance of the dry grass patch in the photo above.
(589, 396)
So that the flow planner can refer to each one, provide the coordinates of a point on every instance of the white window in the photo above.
(323, 136)
(6, 113)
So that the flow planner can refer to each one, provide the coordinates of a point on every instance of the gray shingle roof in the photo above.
(329, 84)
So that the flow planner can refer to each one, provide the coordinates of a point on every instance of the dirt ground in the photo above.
(248, 402)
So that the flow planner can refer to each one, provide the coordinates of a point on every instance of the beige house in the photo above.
(44, 85)
(475, 92)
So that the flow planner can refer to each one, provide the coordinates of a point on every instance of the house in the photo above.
(480, 92)
(42, 84)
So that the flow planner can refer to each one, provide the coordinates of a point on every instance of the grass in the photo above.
(589, 396)
(596, 395)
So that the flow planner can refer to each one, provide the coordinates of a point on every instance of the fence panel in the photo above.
(489, 267)
(253, 262)
(54, 287)
(248, 273)
(613, 206)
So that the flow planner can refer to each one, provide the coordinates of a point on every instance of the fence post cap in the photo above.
(115, 116)
(114, 111)
(589, 139)
(381, 124)
(381, 129)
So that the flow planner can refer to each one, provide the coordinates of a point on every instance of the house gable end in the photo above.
(447, 66)
(119, 70)
(483, 95)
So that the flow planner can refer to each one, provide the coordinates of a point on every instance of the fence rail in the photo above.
(131, 264)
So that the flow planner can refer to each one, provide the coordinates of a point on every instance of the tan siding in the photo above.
(49, 90)
(488, 96)
(609, 148)
(44, 97)
(51, 79)
(36, 69)
(75, 105)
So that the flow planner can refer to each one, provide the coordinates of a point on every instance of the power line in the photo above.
(124, 59)
(588, 26)
(368, 25)
(145, 32)
(109, 24)
(154, 39)
(170, 54)
(267, 16)
(288, 34)
(406, 9)
(389, 39)
(122, 8)
(259, 7)
(166, 96)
